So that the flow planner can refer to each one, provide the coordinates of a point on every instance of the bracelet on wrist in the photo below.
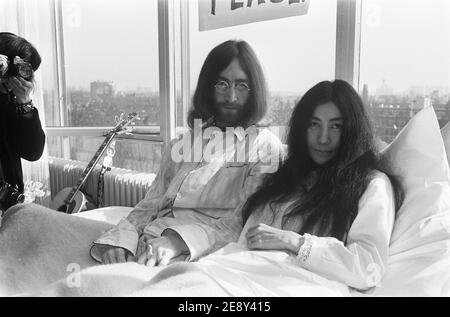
(24, 108)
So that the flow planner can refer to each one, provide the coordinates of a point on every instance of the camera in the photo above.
(15, 67)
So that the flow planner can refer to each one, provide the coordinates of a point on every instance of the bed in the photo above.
(419, 261)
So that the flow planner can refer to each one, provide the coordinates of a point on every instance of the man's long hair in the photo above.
(329, 207)
(217, 61)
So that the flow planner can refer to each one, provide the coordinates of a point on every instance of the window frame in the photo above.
(348, 41)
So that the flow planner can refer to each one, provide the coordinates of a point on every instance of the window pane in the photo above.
(295, 52)
(111, 60)
(405, 61)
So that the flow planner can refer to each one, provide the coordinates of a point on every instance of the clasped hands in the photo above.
(150, 251)
(160, 251)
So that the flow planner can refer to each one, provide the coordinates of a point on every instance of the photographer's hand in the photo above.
(21, 88)
(3, 86)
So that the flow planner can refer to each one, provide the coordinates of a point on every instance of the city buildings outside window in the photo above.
(110, 51)
(405, 61)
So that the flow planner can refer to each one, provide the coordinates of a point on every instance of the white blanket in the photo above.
(231, 272)
(45, 253)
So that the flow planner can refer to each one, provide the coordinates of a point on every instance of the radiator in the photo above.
(122, 187)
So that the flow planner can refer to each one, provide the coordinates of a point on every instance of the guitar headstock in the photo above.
(123, 122)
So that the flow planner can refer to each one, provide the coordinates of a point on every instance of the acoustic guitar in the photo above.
(72, 199)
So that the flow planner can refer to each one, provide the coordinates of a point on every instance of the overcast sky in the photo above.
(405, 42)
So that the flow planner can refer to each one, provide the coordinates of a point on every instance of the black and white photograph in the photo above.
(242, 150)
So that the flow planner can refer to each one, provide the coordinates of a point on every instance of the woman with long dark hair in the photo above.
(329, 204)
(324, 181)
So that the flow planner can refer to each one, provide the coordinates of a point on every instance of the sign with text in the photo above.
(216, 14)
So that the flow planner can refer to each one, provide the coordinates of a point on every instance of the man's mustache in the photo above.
(233, 105)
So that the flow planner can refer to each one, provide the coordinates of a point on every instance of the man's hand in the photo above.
(114, 255)
(161, 250)
(266, 237)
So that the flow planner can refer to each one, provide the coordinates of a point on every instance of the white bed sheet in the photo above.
(419, 271)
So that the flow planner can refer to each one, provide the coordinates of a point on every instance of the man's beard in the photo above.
(230, 114)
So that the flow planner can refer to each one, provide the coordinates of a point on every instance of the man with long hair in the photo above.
(210, 170)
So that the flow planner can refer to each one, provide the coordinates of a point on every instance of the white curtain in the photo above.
(21, 17)
(9, 21)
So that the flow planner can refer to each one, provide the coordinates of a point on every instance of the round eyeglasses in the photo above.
(222, 87)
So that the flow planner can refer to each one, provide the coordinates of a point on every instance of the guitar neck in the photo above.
(89, 168)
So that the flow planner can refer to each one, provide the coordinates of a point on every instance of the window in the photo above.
(405, 61)
(109, 65)
(111, 60)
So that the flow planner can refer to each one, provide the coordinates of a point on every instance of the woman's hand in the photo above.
(21, 88)
(266, 237)
(159, 251)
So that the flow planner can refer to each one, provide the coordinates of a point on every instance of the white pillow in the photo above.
(446, 136)
(418, 156)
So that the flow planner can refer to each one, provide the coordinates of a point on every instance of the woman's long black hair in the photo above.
(329, 207)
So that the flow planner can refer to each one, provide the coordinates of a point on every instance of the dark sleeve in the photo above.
(25, 133)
